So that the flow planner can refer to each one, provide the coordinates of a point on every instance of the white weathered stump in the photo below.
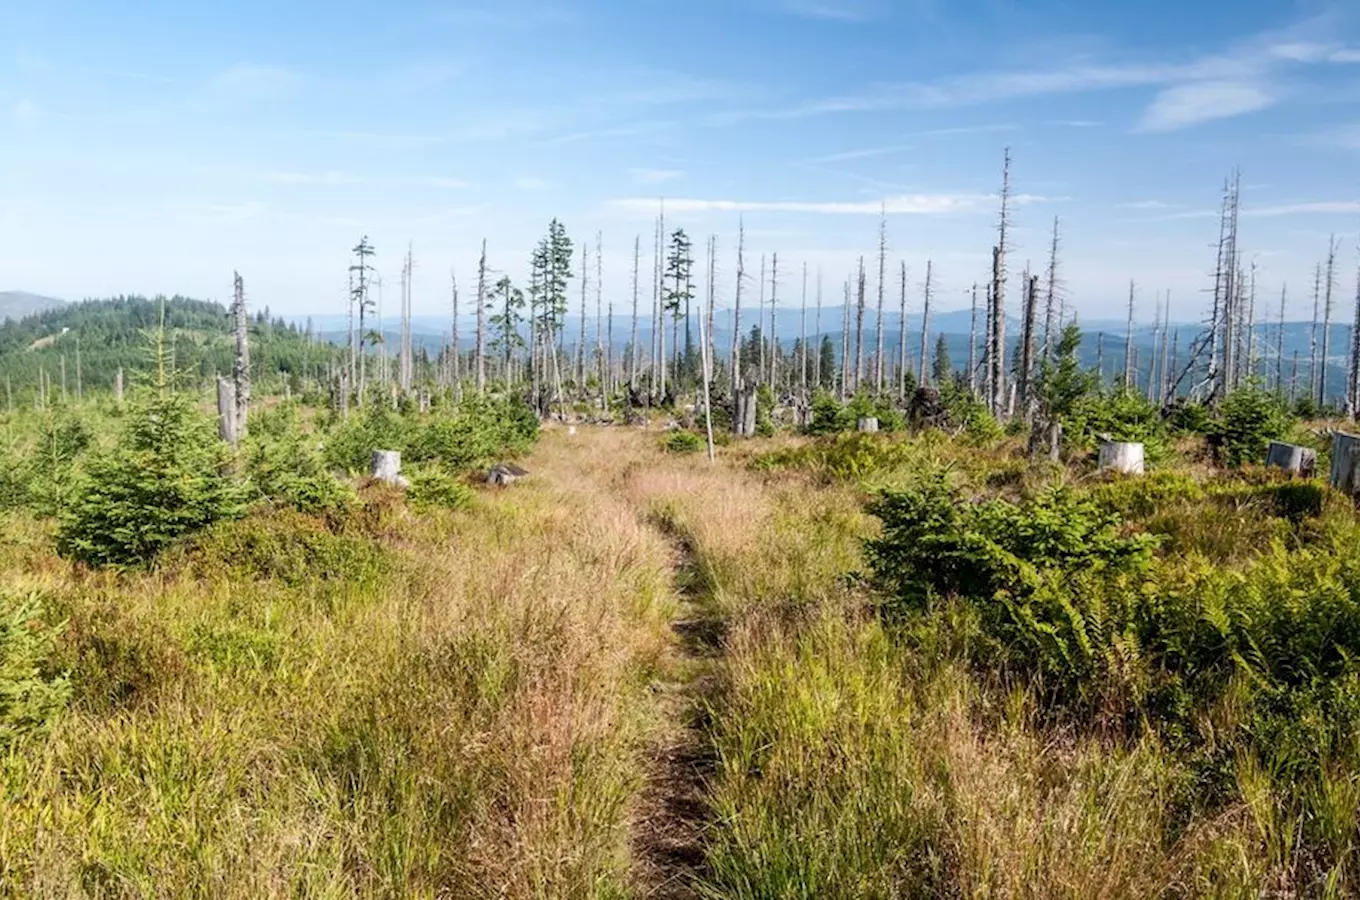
(571, 430)
(1292, 458)
(226, 410)
(1345, 474)
(385, 465)
(1117, 456)
(867, 425)
(118, 386)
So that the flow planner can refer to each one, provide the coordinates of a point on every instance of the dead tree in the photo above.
(859, 328)
(882, 278)
(705, 349)
(1025, 374)
(817, 327)
(1163, 383)
(902, 339)
(457, 357)
(845, 344)
(1279, 341)
(1328, 286)
(923, 380)
(1129, 373)
(1050, 294)
(226, 412)
(118, 386)
(581, 334)
(710, 363)
(972, 346)
(774, 303)
(736, 311)
(405, 365)
(240, 372)
(803, 338)
(79, 392)
(633, 338)
(654, 344)
(1354, 382)
(996, 351)
(760, 323)
(1313, 349)
(481, 321)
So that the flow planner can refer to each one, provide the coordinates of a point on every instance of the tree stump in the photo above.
(118, 386)
(385, 466)
(744, 421)
(226, 411)
(1345, 474)
(505, 474)
(1292, 458)
(1116, 456)
(867, 425)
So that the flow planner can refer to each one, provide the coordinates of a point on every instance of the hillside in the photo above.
(91, 340)
(18, 304)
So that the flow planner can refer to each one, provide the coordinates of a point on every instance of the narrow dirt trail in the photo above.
(669, 836)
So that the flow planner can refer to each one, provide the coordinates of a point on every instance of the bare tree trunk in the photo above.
(859, 328)
(845, 345)
(882, 278)
(654, 344)
(1251, 325)
(972, 347)
(226, 412)
(1025, 376)
(774, 303)
(1051, 293)
(1164, 383)
(925, 326)
(817, 370)
(736, 312)
(710, 364)
(599, 310)
(481, 321)
(1328, 286)
(633, 337)
(240, 373)
(580, 373)
(705, 348)
(1279, 342)
(902, 339)
(79, 391)
(1129, 373)
(1313, 352)
(457, 355)
(118, 386)
(760, 323)
(406, 364)
(997, 349)
(1355, 353)
(803, 338)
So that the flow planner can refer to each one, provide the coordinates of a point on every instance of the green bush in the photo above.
(1248, 420)
(681, 441)
(30, 694)
(433, 487)
(850, 457)
(285, 465)
(349, 446)
(828, 416)
(286, 546)
(166, 477)
(1125, 416)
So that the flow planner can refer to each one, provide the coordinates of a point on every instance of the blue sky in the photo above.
(156, 146)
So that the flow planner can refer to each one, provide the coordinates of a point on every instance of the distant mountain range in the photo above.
(17, 304)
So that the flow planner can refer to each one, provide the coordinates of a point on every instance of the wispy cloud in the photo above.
(1241, 77)
(835, 10)
(228, 213)
(1316, 207)
(25, 112)
(531, 183)
(902, 204)
(256, 82)
(1147, 205)
(654, 176)
(336, 178)
(864, 153)
(1190, 104)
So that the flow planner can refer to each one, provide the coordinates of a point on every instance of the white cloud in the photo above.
(228, 213)
(902, 204)
(1345, 56)
(1147, 204)
(25, 112)
(1317, 207)
(256, 82)
(654, 176)
(851, 11)
(1190, 104)
(531, 183)
(337, 178)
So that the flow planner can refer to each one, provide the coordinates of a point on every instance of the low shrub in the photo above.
(681, 441)
(432, 487)
(1247, 421)
(31, 692)
(286, 546)
(167, 477)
